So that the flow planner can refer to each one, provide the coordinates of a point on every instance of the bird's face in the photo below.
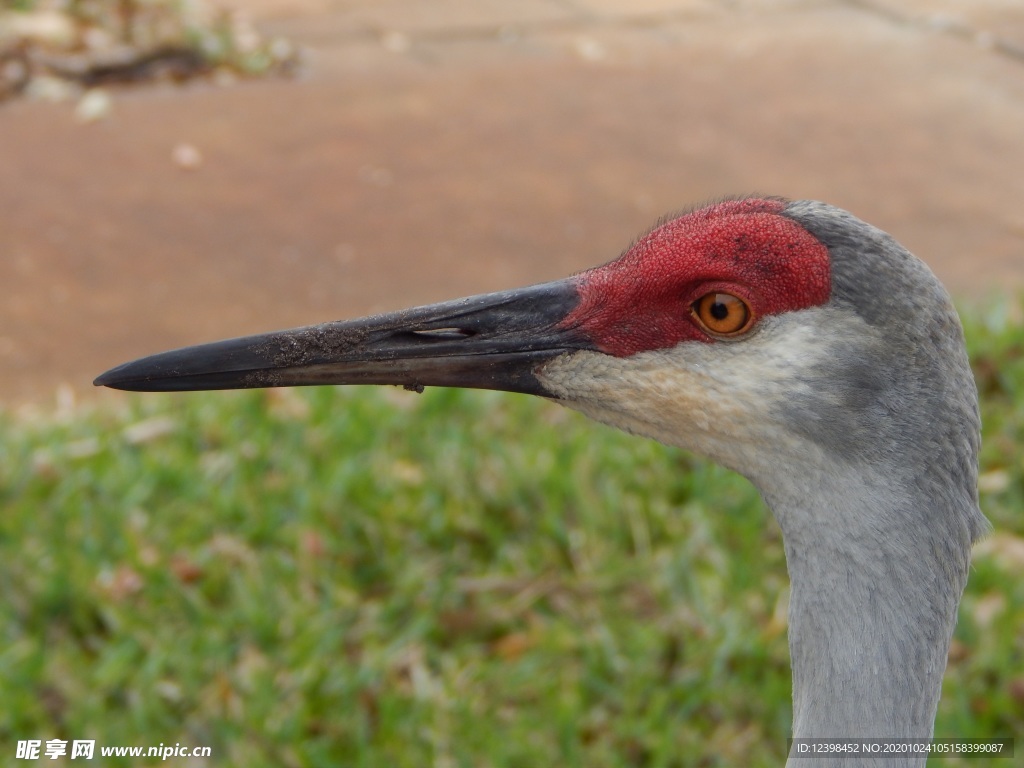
(700, 334)
(700, 331)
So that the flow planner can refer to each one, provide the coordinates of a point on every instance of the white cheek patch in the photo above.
(726, 400)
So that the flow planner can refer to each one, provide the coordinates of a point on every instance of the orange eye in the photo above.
(722, 313)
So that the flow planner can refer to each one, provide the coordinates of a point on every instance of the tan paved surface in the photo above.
(454, 146)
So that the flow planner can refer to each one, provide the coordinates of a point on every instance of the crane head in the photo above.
(788, 341)
(754, 331)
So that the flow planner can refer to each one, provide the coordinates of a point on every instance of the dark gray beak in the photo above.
(493, 341)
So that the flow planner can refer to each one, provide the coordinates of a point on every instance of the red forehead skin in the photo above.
(642, 300)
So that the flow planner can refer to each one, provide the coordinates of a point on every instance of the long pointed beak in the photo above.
(493, 341)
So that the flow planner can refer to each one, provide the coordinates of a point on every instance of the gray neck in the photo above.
(876, 582)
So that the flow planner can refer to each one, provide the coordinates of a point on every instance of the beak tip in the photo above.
(125, 379)
(105, 379)
(115, 378)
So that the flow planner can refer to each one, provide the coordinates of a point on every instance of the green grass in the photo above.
(373, 578)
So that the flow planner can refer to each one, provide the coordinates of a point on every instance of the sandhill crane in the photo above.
(788, 341)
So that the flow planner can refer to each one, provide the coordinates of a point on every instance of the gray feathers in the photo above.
(906, 394)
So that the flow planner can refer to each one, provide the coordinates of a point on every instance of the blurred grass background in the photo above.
(367, 577)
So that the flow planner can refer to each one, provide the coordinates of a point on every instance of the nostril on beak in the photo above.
(444, 334)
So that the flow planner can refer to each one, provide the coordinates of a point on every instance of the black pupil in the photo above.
(719, 310)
